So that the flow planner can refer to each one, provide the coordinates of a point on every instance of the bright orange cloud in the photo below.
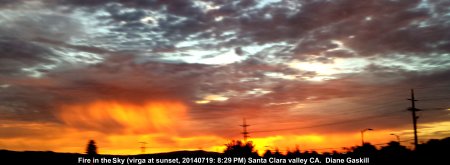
(113, 116)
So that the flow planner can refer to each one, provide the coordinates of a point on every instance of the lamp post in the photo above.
(398, 137)
(362, 134)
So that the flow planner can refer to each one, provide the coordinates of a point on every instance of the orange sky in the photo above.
(183, 74)
(119, 127)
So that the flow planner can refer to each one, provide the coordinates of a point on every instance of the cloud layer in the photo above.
(279, 63)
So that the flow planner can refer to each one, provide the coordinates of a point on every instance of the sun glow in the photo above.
(281, 143)
(330, 70)
(207, 99)
(319, 68)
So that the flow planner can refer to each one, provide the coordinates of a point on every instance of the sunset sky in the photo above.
(182, 75)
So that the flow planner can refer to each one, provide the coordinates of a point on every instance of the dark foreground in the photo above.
(432, 152)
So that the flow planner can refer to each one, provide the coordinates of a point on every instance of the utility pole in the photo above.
(414, 117)
(143, 147)
(244, 130)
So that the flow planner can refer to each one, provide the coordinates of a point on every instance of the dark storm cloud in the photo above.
(114, 79)
(181, 19)
(9, 3)
(379, 27)
(375, 26)
(133, 34)
(30, 39)
(175, 8)
(27, 103)
(368, 27)
(29, 25)
(244, 76)
(82, 48)
(16, 54)
(438, 77)
(132, 47)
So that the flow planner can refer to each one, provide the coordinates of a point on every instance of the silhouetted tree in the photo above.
(237, 148)
(334, 152)
(395, 153)
(277, 153)
(91, 148)
(297, 152)
(433, 151)
(290, 154)
(268, 154)
(306, 153)
(294, 154)
(394, 148)
(366, 150)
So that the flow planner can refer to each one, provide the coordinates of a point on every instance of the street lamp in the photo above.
(362, 134)
(397, 136)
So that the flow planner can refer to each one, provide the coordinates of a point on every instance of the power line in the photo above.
(209, 107)
(326, 124)
(353, 110)
(434, 86)
(334, 116)
(218, 107)
(435, 99)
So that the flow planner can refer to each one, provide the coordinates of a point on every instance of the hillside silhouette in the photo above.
(432, 152)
